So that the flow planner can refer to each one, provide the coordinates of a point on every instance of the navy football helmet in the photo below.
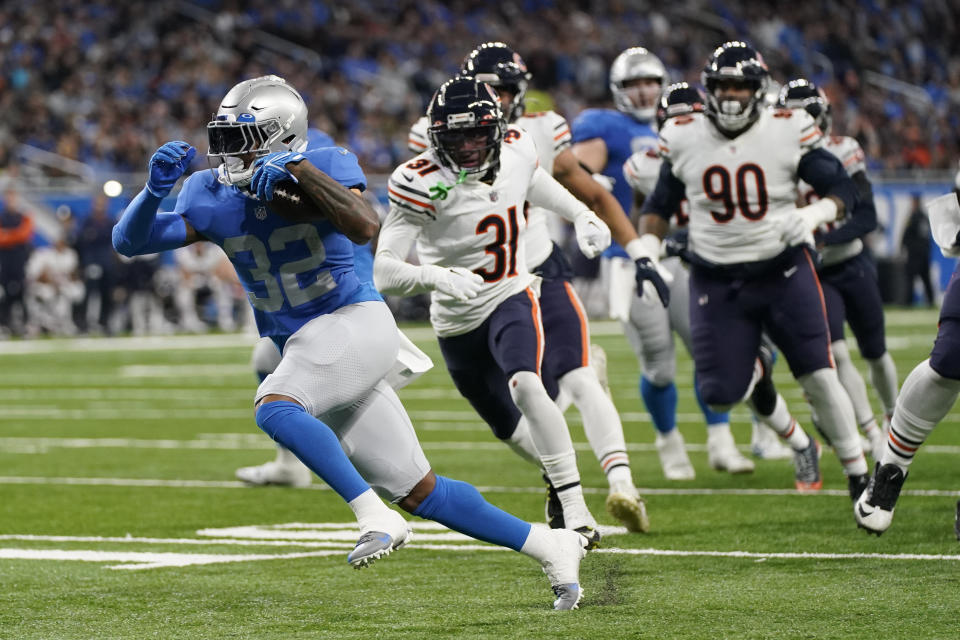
(737, 62)
(502, 68)
(677, 100)
(803, 94)
(466, 125)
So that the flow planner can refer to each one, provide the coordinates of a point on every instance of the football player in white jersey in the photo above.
(650, 325)
(750, 248)
(848, 274)
(929, 391)
(462, 203)
(567, 350)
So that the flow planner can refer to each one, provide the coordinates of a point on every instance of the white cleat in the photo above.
(673, 456)
(767, 445)
(379, 540)
(629, 508)
(563, 568)
(723, 455)
(275, 473)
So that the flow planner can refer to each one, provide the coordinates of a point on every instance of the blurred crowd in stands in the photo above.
(105, 83)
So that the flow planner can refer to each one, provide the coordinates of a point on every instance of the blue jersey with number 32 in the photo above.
(292, 272)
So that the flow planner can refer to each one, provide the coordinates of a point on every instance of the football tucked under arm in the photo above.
(292, 203)
(327, 199)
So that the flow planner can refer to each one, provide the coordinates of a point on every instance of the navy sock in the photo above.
(314, 443)
(712, 416)
(460, 506)
(661, 403)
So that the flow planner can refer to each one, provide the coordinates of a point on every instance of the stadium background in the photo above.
(89, 89)
(122, 451)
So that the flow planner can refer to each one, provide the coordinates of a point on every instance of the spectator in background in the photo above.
(916, 244)
(16, 244)
(98, 267)
(53, 286)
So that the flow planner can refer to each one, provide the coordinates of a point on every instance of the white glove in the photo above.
(794, 230)
(456, 282)
(593, 235)
(797, 227)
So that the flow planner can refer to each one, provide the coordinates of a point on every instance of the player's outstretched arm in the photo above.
(593, 235)
(345, 208)
(570, 173)
(141, 229)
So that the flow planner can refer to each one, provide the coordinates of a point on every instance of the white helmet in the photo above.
(633, 64)
(256, 117)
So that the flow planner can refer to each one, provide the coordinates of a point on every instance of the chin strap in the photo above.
(440, 190)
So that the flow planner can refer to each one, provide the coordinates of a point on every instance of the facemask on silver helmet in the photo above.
(637, 63)
(256, 117)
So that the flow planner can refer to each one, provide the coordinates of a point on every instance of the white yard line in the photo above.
(337, 537)
(254, 441)
(233, 484)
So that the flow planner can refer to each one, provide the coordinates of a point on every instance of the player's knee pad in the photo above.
(265, 357)
(719, 397)
(271, 415)
(524, 387)
(579, 384)
(660, 371)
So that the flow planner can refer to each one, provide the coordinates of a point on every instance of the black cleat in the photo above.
(857, 484)
(873, 510)
(591, 535)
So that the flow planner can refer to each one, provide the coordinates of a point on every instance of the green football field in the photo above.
(120, 518)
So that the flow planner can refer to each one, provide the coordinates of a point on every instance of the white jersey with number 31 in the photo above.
(551, 135)
(739, 189)
(473, 225)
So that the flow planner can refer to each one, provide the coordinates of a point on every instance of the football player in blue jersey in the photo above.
(604, 139)
(338, 339)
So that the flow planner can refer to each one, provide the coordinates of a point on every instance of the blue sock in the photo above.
(661, 403)
(460, 506)
(314, 443)
(712, 416)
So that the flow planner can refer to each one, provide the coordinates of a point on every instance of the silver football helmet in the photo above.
(256, 117)
(634, 64)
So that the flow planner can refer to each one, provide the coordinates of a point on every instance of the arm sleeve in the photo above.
(392, 274)
(667, 195)
(141, 230)
(863, 219)
(544, 191)
(822, 170)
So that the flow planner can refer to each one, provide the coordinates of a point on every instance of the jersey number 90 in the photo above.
(719, 187)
